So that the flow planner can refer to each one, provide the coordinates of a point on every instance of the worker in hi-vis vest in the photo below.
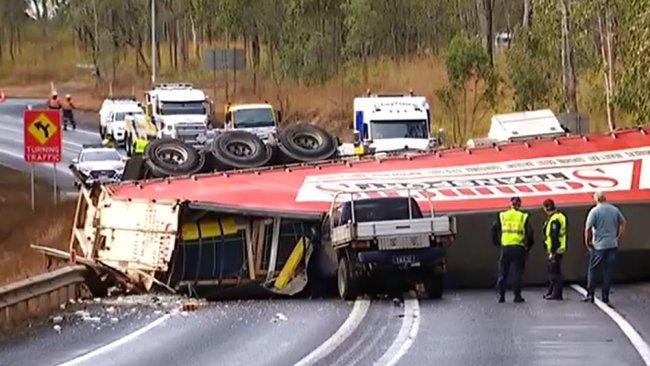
(513, 233)
(555, 241)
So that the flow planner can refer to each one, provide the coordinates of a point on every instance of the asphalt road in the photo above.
(11, 144)
(466, 327)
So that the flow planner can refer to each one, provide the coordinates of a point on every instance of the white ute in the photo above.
(113, 115)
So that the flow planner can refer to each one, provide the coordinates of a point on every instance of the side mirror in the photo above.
(279, 116)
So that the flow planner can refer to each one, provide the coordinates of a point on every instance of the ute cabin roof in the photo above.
(567, 168)
(523, 125)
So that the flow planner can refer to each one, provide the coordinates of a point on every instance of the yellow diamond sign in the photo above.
(42, 129)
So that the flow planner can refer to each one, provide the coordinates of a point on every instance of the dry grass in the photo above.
(48, 225)
(329, 105)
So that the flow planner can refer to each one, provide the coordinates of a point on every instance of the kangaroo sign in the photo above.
(42, 135)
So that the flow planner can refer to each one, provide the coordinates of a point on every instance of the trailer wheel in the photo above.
(434, 285)
(170, 157)
(347, 282)
(304, 142)
(239, 150)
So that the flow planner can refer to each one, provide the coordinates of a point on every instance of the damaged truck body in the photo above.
(265, 226)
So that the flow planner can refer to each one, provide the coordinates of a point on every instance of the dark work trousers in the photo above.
(606, 257)
(511, 265)
(555, 281)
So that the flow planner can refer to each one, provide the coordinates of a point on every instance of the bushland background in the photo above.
(311, 57)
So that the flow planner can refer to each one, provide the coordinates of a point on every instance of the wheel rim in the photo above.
(239, 148)
(307, 141)
(172, 154)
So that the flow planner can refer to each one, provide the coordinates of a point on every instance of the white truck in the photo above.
(391, 122)
(176, 110)
(370, 237)
(520, 126)
(113, 115)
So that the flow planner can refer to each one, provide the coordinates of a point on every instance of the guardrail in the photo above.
(36, 296)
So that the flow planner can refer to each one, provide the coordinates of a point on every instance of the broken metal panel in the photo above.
(136, 234)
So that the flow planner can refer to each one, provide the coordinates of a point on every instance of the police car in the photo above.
(98, 164)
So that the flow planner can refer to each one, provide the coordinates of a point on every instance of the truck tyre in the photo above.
(348, 283)
(304, 142)
(239, 150)
(171, 157)
(434, 286)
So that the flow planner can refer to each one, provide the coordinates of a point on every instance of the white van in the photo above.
(113, 114)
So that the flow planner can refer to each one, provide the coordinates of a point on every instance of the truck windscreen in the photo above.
(399, 129)
(176, 108)
(382, 209)
(258, 117)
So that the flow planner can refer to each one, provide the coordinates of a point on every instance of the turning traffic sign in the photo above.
(42, 136)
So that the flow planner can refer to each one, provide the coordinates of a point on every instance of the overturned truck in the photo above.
(260, 225)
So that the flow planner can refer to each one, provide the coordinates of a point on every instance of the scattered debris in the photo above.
(114, 320)
(62, 306)
(279, 317)
(92, 319)
(190, 305)
(110, 310)
(97, 300)
(57, 319)
(397, 302)
(57, 328)
(82, 313)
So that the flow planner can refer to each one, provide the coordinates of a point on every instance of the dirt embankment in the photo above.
(20, 226)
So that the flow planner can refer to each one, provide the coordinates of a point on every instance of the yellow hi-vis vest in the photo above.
(559, 217)
(513, 227)
(140, 144)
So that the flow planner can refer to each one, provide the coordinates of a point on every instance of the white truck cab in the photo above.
(113, 115)
(258, 119)
(391, 122)
(178, 111)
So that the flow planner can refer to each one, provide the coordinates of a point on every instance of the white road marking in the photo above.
(406, 335)
(635, 338)
(347, 328)
(117, 343)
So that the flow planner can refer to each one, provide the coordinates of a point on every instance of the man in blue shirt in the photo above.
(604, 229)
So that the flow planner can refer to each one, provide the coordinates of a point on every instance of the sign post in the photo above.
(42, 141)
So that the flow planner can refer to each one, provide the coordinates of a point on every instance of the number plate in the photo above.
(403, 242)
(403, 259)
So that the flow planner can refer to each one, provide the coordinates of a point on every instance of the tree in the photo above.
(568, 70)
(472, 84)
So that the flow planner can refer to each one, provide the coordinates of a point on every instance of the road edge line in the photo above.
(642, 348)
(406, 335)
(358, 313)
(116, 343)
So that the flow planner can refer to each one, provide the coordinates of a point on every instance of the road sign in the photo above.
(224, 58)
(42, 136)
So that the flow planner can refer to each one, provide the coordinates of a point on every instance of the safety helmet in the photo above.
(67, 96)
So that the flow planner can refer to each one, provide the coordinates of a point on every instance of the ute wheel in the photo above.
(239, 150)
(348, 283)
(170, 157)
(434, 286)
(304, 142)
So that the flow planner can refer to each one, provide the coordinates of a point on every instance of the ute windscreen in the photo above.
(383, 209)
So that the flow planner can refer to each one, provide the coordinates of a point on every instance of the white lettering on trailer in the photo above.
(584, 173)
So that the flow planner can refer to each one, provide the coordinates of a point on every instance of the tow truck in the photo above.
(381, 236)
(177, 111)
